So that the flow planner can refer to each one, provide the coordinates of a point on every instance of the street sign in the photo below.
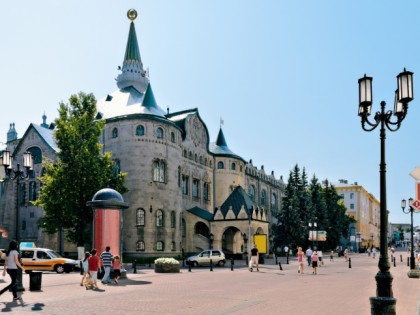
(416, 204)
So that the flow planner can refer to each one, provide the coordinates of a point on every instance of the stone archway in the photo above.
(232, 242)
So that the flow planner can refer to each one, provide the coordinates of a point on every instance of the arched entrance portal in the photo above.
(232, 242)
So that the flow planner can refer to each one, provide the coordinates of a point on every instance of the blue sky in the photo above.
(282, 74)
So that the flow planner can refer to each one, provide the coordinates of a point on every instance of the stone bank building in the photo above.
(185, 192)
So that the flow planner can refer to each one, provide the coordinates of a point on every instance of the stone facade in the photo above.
(182, 188)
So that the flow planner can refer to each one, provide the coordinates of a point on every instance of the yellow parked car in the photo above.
(44, 259)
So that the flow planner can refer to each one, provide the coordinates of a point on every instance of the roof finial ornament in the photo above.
(132, 14)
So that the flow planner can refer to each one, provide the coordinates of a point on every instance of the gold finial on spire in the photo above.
(132, 14)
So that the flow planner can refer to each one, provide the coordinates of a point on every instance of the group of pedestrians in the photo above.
(92, 263)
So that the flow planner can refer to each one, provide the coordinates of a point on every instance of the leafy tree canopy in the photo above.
(79, 172)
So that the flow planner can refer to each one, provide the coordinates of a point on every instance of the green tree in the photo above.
(78, 173)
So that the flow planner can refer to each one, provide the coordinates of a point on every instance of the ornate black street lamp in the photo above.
(413, 273)
(315, 226)
(18, 174)
(384, 302)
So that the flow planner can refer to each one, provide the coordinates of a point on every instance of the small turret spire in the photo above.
(12, 134)
(133, 73)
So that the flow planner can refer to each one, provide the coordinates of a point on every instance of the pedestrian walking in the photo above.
(254, 258)
(315, 260)
(346, 254)
(106, 258)
(308, 255)
(373, 252)
(94, 263)
(332, 256)
(300, 260)
(11, 265)
(116, 265)
(320, 258)
(85, 266)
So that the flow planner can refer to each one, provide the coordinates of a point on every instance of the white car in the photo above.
(216, 256)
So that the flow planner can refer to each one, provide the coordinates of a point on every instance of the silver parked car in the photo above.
(216, 256)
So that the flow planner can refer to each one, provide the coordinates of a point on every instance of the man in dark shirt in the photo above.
(254, 258)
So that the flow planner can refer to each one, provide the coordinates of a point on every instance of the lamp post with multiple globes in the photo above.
(384, 302)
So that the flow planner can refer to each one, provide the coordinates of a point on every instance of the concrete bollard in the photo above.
(408, 261)
(394, 262)
(276, 259)
(392, 258)
(280, 267)
(349, 262)
(134, 267)
(211, 264)
(287, 258)
(189, 267)
(231, 264)
(401, 257)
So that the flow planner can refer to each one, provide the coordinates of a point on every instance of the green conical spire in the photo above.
(132, 72)
(132, 51)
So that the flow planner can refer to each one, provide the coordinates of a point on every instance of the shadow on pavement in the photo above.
(126, 282)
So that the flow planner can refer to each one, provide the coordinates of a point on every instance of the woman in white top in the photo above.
(11, 264)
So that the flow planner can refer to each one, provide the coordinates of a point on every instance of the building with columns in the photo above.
(185, 192)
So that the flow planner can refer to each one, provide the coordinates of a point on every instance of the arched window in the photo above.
(233, 167)
(159, 133)
(115, 133)
(252, 192)
(159, 246)
(196, 157)
(190, 155)
(263, 197)
(159, 218)
(141, 217)
(159, 170)
(140, 130)
(173, 246)
(36, 154)
(211, 164)
(205, 161)
(273, 201)
(173, 219)
(184, 154)
(140, 246)
(220, 165)
(172, 137)
(185, 184)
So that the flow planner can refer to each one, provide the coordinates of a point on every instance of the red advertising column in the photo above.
(107, 230)
(107, 205)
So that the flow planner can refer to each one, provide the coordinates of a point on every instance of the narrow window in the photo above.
(233, 167)
(173, 219)
(220, 165)
(252, 192)
(263, 198)
(172, 137)
(206, 191)
(196, 186)
(159, 170)
(140, 130)
(159, 246)
(140, 219)
(159, 133)
(115, 133)
(159, 218)
(185, 180)
(140, 246)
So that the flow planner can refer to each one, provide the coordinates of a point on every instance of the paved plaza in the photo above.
(336, 289)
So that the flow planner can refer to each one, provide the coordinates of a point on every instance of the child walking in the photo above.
(116, 264)
(86, 276)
